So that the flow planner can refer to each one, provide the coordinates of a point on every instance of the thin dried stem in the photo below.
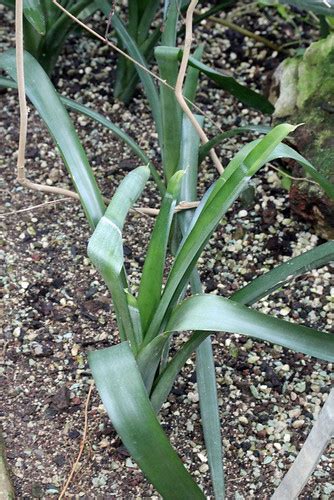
(180, 81)
(127, 56)
(35, 207)
(243, 31)
(82, 445)
(21, 174)
(21, 91)
(304, 179)
(152, 212)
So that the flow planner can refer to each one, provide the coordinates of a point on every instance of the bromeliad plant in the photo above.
(135, 377)
(138, 29)
(46, 28)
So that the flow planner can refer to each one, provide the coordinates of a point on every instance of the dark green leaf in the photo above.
(124, 395)
(171, 112)
(151, 281)
(277, 277)
(34, 13)
(146, 79)
(247, 96)
(213, 313)
(204, 150)
(46, 101)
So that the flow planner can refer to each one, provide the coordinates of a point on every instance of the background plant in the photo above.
(46, 28)
(142, 372)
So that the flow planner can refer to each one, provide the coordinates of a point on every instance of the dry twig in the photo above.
(243, 31)
(82, 445)
(154, 75)
(304, 179)
(180, 80)
(153, 212)
(21, 174)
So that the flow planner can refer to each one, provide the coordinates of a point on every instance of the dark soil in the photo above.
(57, 308)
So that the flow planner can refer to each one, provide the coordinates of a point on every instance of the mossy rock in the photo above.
(303, 92)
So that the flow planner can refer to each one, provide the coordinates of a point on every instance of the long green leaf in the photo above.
(191, 82)
(152, 276)
(204, 150)
(46, 101)
(284, 151)
(105, 247)
(98, 118)
(33, 12)
(277, 277)
(216, 206)
(209, 407)
(213, 313)
(205, 367)
(146, 20)
(244, 94)
(170, 109)
(125, 398)
(208, 401)
(171, 16)
(146, 79)
(323, 7)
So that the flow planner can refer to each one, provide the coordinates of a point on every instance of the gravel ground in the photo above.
(57, 308)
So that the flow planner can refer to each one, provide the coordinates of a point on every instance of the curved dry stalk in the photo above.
(185, 59)
(21, 173)
(243, 31)
(180, 81)
(152, 212)
(82, 445)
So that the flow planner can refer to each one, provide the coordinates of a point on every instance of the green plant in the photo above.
(138, 27)
(46, 28)
(135, 377)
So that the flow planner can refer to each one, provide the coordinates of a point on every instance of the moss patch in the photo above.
(307, 96)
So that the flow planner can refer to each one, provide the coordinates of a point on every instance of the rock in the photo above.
(59, 460)
(37, 490)
(73, 434)
(297, 424)
(60, 401)
(303, 92)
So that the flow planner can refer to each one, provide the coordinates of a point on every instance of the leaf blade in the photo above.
(124, 395)
(152, 275)
(277, 277)
(146, 79)
(33, 12)
(105, 247)
(46, 101)
(247, 96)
(222, 314)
